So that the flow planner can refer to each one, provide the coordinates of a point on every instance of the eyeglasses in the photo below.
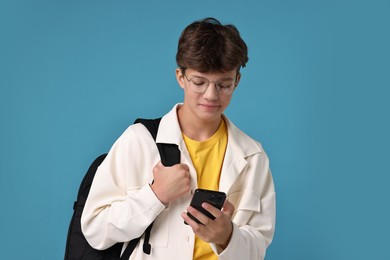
(200, 85)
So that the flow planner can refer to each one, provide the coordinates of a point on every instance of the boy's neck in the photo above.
(195, 128)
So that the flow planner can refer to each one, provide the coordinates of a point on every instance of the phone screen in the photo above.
(215, 198)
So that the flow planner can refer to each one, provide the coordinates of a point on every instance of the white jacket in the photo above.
(121, 204)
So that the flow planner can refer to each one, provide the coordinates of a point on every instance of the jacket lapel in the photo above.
(240, 147)
(232, 167)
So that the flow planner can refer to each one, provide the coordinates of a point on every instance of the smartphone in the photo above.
(215, 198)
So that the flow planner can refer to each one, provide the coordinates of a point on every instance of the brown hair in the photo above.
(209, 46)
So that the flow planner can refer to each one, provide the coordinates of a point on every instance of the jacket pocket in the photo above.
(246, 203)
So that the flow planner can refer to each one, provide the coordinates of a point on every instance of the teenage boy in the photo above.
(132, 188)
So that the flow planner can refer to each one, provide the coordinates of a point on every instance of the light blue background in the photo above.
(75, 74)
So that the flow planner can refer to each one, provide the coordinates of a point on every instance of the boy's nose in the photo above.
(211, 92)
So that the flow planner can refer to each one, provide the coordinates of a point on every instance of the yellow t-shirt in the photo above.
(207, 158)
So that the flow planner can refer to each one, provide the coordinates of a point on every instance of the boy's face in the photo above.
(211, 104)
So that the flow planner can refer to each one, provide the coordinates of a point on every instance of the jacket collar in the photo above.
(240, 146)
(169, 131)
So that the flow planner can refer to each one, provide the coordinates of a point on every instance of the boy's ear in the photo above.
(238, 78)
(180, 77)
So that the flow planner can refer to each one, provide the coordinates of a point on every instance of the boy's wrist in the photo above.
(224, 245)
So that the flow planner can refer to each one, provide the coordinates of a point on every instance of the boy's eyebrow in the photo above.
(225, 78)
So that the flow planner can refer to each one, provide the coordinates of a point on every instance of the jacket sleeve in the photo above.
(255, 213)
(121, 204)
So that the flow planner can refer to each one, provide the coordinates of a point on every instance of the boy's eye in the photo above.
(225, 84)
(199, 82)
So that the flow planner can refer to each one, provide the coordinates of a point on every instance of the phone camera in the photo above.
(215, 199)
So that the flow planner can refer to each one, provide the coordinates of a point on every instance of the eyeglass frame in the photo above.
(216, 83)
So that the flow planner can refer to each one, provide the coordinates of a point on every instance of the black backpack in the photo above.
(77, 247)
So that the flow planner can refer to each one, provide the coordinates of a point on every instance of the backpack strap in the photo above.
(170, 155)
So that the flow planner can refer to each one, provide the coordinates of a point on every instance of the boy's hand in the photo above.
(217, 231)
(172, 182)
